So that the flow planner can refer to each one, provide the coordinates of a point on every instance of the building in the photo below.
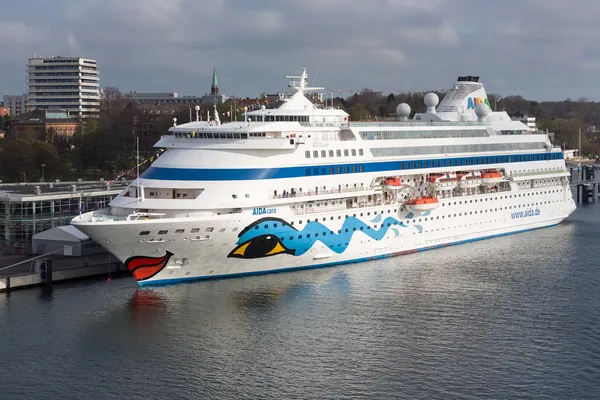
(44, 123)
(519, 115)
(214, 97)
(17, 103)
(162, 98)
(4, 111)
(66, 83)
(28, 209)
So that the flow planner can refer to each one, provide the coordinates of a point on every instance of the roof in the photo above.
(67, 233)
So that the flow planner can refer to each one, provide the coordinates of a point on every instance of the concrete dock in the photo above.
(63, 269)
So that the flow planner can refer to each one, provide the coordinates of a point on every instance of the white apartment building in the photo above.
(67, 83)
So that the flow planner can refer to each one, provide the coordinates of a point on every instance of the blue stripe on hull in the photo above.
(160, 282)
(233, 174)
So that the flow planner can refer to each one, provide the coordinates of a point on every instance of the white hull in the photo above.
(490, 216)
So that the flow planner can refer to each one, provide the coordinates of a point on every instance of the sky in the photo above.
(540, 49)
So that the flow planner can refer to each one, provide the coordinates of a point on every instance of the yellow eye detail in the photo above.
(241, 249)
(260, 246)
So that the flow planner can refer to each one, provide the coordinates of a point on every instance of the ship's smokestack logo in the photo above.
(473, 101)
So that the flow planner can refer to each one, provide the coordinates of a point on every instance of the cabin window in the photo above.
(210, 229)
(338, 153)
(353, 152)
(330, 153)
(307, 154)
(179, 231)
(323, 153)
(162, 232)
(346, 153)
(144, 233)
(315, 154)
(195, 230)
(360, 152)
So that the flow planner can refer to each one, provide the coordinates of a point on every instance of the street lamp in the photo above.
(43, 166)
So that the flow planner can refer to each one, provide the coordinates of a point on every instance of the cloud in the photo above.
(541, 50)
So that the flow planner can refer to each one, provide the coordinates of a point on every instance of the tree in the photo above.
(17, 158)
(29, 134)
(359, 112)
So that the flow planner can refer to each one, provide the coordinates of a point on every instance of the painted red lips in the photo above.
(143, 267)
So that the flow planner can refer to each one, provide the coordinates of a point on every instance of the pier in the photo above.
(585, 183)
(47, 269)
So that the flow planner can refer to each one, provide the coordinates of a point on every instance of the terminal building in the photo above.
(27, 209)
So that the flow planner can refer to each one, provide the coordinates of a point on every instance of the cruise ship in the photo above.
(301, 186)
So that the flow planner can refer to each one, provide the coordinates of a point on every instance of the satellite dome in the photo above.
(482, 110)
(403, 111)
(431, 100)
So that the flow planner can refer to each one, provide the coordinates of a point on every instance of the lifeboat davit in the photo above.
(421, 204)
(443, 181)
(392, 183)
(468, 180)
(490, 178)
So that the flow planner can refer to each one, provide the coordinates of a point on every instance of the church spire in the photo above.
(214, 87)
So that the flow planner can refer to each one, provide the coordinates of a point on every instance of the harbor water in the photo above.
(505, 318)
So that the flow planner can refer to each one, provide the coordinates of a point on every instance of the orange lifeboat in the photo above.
(467, 180)
(421, 204)
(491, 177)
(443, 181)
(392, 183)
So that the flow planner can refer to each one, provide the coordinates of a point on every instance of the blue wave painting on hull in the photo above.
(271, 236)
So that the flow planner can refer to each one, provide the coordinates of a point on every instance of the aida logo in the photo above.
(473, 101)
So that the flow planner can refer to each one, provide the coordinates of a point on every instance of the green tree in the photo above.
(45, 153)
(18, 158)
(359, 112)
